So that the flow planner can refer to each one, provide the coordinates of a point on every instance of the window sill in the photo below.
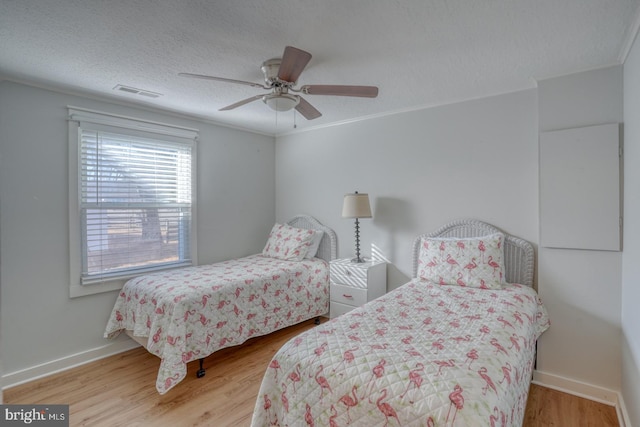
(98, 286)
(78, 290)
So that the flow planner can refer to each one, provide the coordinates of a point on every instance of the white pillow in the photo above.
(475, 262)
(315, 244)
(288, 243)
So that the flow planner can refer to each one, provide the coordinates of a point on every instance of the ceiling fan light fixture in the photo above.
(281, 102)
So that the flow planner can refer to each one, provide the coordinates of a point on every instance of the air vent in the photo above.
(136, 91)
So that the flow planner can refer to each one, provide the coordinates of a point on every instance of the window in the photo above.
(133, 199)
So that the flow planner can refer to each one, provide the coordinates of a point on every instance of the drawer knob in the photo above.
(347, 296)
(348, 272)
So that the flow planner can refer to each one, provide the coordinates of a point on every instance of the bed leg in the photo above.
(201, 371)
(317, 321)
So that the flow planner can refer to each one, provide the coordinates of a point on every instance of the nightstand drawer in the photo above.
(349, 270)
(338, 309)
(352, 281)
(348, 295)
(355, 277)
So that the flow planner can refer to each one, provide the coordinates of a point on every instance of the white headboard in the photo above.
(328, 246)
(518, 253)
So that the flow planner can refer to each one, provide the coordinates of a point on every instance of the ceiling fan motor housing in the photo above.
(270, 69)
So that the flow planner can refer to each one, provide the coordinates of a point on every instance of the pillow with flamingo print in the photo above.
(288, 243)
(476, 262)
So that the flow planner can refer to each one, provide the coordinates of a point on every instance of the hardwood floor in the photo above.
(120, 391)
(546, 407)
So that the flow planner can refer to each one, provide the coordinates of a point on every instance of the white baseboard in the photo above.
(623, 415)
(43, 370)
(587, 391)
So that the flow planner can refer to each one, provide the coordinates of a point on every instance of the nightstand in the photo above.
(354, 284)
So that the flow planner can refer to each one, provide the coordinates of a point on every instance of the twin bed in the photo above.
(186, 314)
(455, 346)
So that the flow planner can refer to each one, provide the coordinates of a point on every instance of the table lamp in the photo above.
(356, 205)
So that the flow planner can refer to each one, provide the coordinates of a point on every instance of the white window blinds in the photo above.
(135, 201)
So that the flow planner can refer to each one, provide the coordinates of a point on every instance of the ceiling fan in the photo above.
(280, 76)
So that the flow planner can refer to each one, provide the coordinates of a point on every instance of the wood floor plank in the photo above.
(120, 391)
(547, 407)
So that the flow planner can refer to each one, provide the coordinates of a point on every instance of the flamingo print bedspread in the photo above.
(192, 312)
(422, 355)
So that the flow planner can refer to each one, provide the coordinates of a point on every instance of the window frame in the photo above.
(80, 118)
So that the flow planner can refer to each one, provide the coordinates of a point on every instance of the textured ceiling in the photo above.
(419, 53)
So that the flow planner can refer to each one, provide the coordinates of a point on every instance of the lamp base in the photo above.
(358, 260)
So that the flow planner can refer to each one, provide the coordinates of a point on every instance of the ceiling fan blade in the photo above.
(307, 110)
(293, 62)
(222, 79)
(339, 90)
(241, 103)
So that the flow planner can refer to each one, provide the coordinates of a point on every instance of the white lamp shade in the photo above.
(356, 205)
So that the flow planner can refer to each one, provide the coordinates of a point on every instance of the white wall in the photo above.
(422, 169)
(631, 238)
(39, 322)
(582, 289)
(480, 159)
